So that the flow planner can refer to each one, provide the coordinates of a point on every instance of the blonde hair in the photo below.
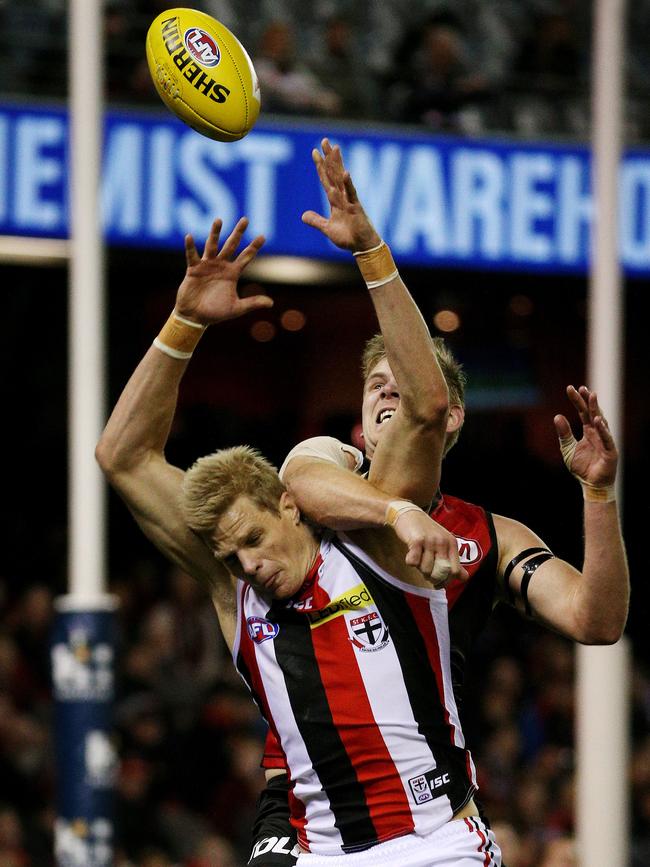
(213, 483)
(452, 370)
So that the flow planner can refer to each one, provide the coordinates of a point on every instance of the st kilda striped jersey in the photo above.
(470, 602)
(353, 676)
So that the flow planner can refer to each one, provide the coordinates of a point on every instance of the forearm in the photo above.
(336, 498)
(602, 595)
(410, 353)
(140, 422)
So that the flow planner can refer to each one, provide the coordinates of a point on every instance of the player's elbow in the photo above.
(111, 459)
(429, 414)
(601, 632)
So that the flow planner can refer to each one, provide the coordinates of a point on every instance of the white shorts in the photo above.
(459, 843)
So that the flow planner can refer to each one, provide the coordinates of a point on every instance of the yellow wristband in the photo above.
(592, 494)
(179, 336)
(396, 508)
(377, 265)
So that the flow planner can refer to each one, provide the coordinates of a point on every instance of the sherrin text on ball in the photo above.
(203, 74)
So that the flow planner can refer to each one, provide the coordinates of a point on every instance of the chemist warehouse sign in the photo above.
(484, 204)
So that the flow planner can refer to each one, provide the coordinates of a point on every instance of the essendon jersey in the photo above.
(353, 676)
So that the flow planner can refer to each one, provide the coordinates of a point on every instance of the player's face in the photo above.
(380, 400)
(273, 552)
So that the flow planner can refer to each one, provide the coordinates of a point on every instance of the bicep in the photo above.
(152, 493)
(535, 583)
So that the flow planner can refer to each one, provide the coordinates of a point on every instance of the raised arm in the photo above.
(131, 448)
(590, 605)
(320, 474)
(408, 464)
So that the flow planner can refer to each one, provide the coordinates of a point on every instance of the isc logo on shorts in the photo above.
(429, 786)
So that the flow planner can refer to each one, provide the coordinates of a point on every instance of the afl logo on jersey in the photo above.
(202, 47)
(260, 629)
(469, 551)
(368, 632)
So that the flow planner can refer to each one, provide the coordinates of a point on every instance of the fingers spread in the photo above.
(255, 302)
(317, 221)
(191, 255)
(250, 252)
(212, 243)
(230, 246)
(604, 433)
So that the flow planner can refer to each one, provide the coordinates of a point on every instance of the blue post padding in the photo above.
(83, 652)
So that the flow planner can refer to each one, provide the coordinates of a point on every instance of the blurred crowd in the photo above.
(464, 67)
(189, 738)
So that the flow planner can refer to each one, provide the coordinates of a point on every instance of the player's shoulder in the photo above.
(325, 448)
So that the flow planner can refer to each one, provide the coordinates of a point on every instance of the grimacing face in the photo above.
(380, 401)
(273, 552)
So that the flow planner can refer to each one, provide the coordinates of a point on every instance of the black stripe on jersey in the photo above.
(427, 705)
(294, 652)
(469, 614)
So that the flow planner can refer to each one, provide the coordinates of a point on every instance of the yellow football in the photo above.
(203, 74)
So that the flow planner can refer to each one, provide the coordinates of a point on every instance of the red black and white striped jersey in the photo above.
(353, 676)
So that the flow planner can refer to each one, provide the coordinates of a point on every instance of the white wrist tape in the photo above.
(590, 493)
(396, 508)
(179, 337)
(377, 265)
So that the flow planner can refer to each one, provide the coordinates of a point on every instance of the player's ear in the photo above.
(456, 417)
(289, 508)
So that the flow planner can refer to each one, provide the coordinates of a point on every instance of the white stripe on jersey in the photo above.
(440, 618)
(408, 748)
(307, 786)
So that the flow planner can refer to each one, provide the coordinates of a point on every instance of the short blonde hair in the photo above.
(452, 370)
(214, 482)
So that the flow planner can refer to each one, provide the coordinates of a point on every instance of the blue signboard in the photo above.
(82, 654)
(447, 201)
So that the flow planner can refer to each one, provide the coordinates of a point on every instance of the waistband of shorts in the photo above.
(397, 845)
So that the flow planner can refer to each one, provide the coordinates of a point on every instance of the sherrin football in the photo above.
(203, 74)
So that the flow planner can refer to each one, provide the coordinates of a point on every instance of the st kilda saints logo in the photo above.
(368, 632)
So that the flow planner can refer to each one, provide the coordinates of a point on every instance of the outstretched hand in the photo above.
(593, 458)
(348, 225)
(208, 293)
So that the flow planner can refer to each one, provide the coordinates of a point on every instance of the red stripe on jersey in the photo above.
(298, 819)
(419, 605)
(354, 720)
(273, 756)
